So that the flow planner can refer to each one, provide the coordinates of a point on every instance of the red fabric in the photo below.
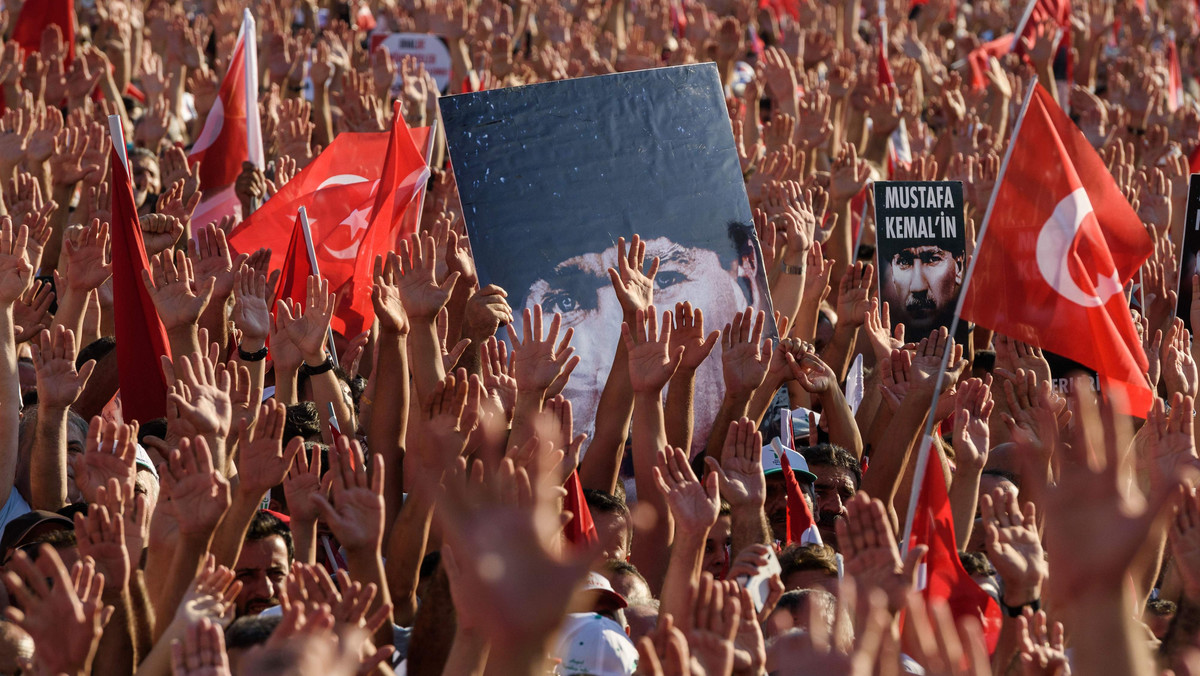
(581, 529)
(781, 7)
(977, 59)
(404, 175)
(221, 147)
(884, 67)
(1175, 83)
(293, 279)
(337, 189)
(1060, 12)
(799, 516)
(953, 7)
(1194, 160)
(945, 578)
(36, 15)
(1043, 279)
(141, 339)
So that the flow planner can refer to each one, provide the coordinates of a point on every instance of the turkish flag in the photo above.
(141, 338)
(36, 16)
(580, 530)
(231, 134)
(801, 526)
(942, 575)
(1060, 245)
(293, 279)
(338, 191)
(404, 176)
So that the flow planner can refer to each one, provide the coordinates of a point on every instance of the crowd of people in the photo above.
(417, 505)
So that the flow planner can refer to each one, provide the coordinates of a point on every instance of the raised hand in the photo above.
(694, 505)
(101, 537)
(634, 288)
(1014, 547)
(159, 232)
(385, 295)
(452, 413)
(740, 468)
(688, 332)
(711, 631)
(88, 257)
(262, 461)
(62, 612)
(1041, 646)
(213, 261)
(652, 359)
(252, 294)
(973, 407)
(200, 395)
(538, 362)
(745, 354)
(197, 490)
(16, 271)
(813, 374)
(1179, 372)
(303, 483)
(879, 332)
(486, 311)
(928, 361)
(355, 514)
(110, 453)
(848, 176)
(171, 282)
(422, 295)
(59, 384)
(201, 652)
(854, 295)
(212, 595)
(870, 552)
(307, 331)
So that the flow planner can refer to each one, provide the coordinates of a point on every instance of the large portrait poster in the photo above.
(1190, 256)
(550, 175)
(920, 244)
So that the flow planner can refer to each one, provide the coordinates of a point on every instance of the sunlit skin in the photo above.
(834, 487)
(262, 568)
(921, 286)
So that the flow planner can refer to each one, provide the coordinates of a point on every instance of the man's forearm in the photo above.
(48, 461)
(10, 397)
(184, 341)
(602, 462)
(843, 431)
(734, 406)
(366, 567)
(424, 357)
(190, 550)
(405, 551)
(748, 526)
(228, 539)
(71, 306)
(964, 498)
(680, 412)
(117, 649)
(683, 572)
(386, 432)
(650, 545)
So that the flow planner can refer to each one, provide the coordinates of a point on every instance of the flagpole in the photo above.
(430, 142)
(927, 436)
(1025, 16)
(254, 147)
(312, 261)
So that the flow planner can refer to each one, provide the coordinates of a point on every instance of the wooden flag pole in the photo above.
(312, 261)
(926, 438)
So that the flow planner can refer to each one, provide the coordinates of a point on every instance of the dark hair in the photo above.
(976, 563)
(790, 601)
(303, 420)
(619, 567)
(984, 360)
(59, 539)
(831, 455)
(1002, 474)
(250, 630)
(605, 503)
(264, 525)
(1161, 607)
(97, 349)
(797, 558)
(429, 565)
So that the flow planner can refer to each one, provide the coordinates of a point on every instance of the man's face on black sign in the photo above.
(921, 287)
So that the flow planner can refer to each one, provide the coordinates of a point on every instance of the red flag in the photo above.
(141, 338)
(293, 279)
(36, 16)
(580, 529)
(404, 175)
(1194, 161)
(942, 574)
(1059, 11)
(1060, 245)
(224, 143)
(978, 58)
(780, 7)
(1175, 82)
(801, 526)
(337, 189)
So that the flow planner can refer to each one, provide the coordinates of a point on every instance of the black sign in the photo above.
(1191, 251)
(920, 244)
(551, 174)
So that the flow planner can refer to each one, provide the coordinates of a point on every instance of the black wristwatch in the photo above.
(1015, 611)
(257, 355)
(324, 366)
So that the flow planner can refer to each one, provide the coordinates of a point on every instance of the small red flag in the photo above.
(293, 279)
(36, 16)
(1060, 245)
(801, 526)
(141, 338)
(580, 529)
(942, 574)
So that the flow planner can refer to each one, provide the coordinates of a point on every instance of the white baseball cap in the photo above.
(771, 464)
(592, 644)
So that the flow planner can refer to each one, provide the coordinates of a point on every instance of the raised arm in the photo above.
(58, 386)
(16, 276)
